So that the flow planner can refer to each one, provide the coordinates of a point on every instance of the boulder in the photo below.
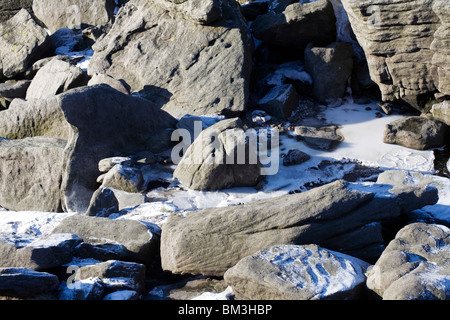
(294, 157)
(74, 116)
(441, 112)
(22, 42)
(297, 25)
(219, 158)
(417, 133)
(414, 266)
(182, 66)
(110, 81)
(213, 240)
(25, 283)
(42, 254)
(14, 89)
(103, 203)
(197, 11)
(330, 68)
(289, 272)
(8, 8)
(280, 101)
(74, 13)
(406, 45)
(128, 179)
(320, 138)
(56, 77)
(88, 289)
(134, 240)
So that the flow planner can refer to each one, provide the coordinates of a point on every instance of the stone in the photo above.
(8, 8)
(197, 11)
(441, 112)
(212, 240)
(406, 45)
(116, 275)
(181, 66)
(417, 133)
(42, 254)
(56, 77)
(139, 241)
(103, 203)
(107, 164)
(280, 101)
(219, 158)
(14, 89)
(414, 266)
(330, 68)
(297, 25)
(74, 116)
(294, 157)
(88, 289)
(110, 81)
(289, 272)
(22, 42)
(128, 179)
(321, 138)
(25, 283)
(73, 13)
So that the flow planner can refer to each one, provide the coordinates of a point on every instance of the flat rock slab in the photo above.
(289, 272)
(23, 283)
(321, 138)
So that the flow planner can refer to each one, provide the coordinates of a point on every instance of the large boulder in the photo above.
(441, 112)
(289, 272)
(220, 157)
(75, 116)
(406, 45)
(296, 26)
(25, 283)
(22, 43)
(414, 265)
(182, 66)
(212, 240)
(73, 13)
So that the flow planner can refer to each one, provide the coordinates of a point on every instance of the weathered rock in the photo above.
(288, 272)
(128, 179)
(198, 11)
(116, 275)
(107, 164)
(8, 8)
(74, 116)
(294, 157)
(14, 89)
(330, 68)
(30, 173)
(441, 112)
(42, 254)
(280, 101)
(25, 283)
(406, 45)
(22, 42)
(212, 240)
(88, 289)
(137, 239)
(415, 265)
(110, 81)
(184, 67)
(416, 133)
(219, 158)
(73, 13)
(298, 25)
(103, 203)
(321, 138)
(56, 77)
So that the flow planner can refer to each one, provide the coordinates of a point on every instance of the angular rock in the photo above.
(182, 66)
(330, 68)
(103, 203)
(416, 133)
(30, 174)
(22, 42)
(321, 138)
(294, 157)
(219, 158)
(288, 272)
(42, 254)
(298, 25)
(280, 101)
(406, 45)
(110, 81)
(25, 283)
(123, 178)
(441, 112)
(212, 240)
(56, 77)
(138, 240)
(107, 164)
(414, 266)
(74, 116)
(73, 13)
(198, 11)
(88, 289)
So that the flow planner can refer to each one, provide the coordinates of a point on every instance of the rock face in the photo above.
(298, 25)
(414, 265)
(182, 66)
(289, 272)
(219, 158)
(441, 112)
(73, 13)
(22, 43)
(211, 241)
(406, 45)
(416, 132)
(74, 117)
